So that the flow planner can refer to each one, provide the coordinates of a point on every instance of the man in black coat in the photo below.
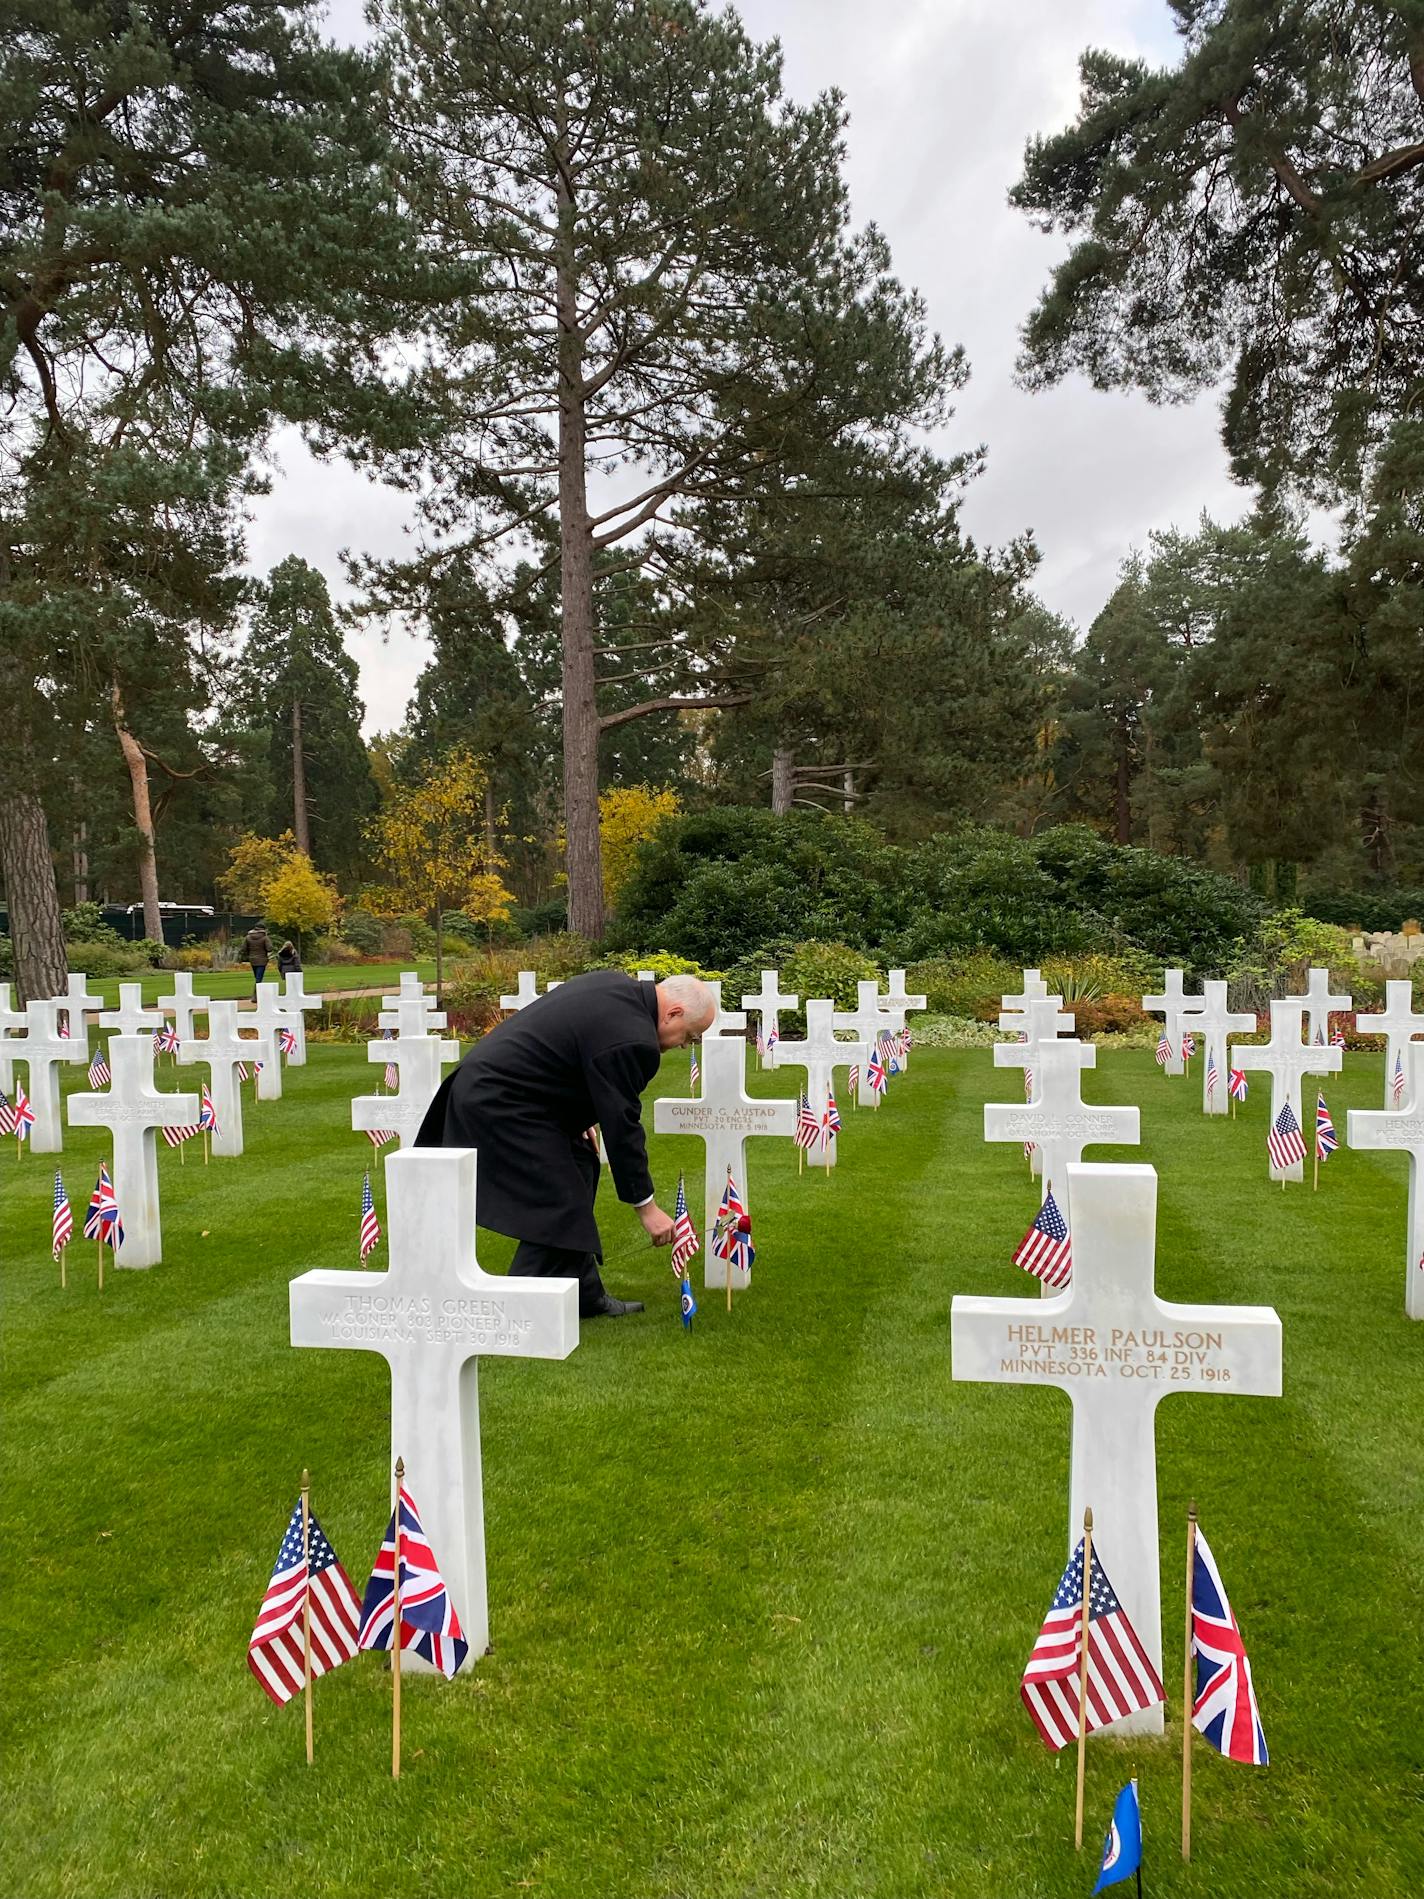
(528, 1096)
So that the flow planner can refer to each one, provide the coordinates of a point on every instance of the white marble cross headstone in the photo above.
(134, 1110)
(76, 1002)
(42, 1048)
(10, 1019)
(432, 1317)
(1118, 1350)
(183, 1005)
(1399, 1025)
(1320, 1002)
(1172, 1005)
(724, 1021)
(1035, 989)
(418, 1060)
(1401, 1131)
(1058, 1121)
(1042, 1021)
(820, 1055)
(271, 1017)
(526, 991)
(131, 1017)
(222, 1049)
(723, 1115)
(895, 992)
(296, 1002)
(865, 1022)
(411, 1005)
(1286, 1057)
(1217, 1024)
(769, 1002)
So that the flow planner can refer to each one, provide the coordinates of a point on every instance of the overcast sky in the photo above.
(942, 96)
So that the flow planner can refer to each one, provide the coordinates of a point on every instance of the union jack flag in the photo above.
(370, 1235)
(287, 1041)
(1396, 1081)
(102, 1221)
(1164, 1050)
(1046, 1250)
(429, 1624)
(1236, 1083)
(24, 1115)
(1325, 1138)
(207, 1114)
(1189, 1047)
(7, 1114)
(772, 1038)
(99, 1070)
(1121, 1678)
(170, 1039)
(808, 1128)
(276, 1652)
(732, 1229)
(63, 1226)
(1225, 1709)
(684, 1233)
(1285, 1143)
(831, 1122)
(875, 1074)
(1213, 1076)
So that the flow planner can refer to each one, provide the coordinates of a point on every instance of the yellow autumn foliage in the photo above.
(627, 815)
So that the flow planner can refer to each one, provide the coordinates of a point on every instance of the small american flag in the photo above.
(429, 1624)
(1028, 1146)
(889, 1053)
(65, 1032)
(207, 1114)
(24, 1115)
(102, 1221)
(1213, 1076)
(175, 1137)
(1163, 1050)
(276, 1653)
(1285, 1143)
(7, 1114)
(379, 1136)
(1236, 1084)
(1325, 1137)
(1225, 1708)
(1046, 1250)
(1337, 1038)
(391, 1076)
(760, 1044)
(242, 1071)
(684, 1233)
(1319, 1037)
(287, 1041)
(694, 1072)
(1121, 1678)
(808, 1129)
(1396, 1081)
(99, 1070)
(63, 1226)
(853, 1082)
(370, 1236)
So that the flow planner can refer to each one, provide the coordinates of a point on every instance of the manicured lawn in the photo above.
(236, 984)
(760, 1595)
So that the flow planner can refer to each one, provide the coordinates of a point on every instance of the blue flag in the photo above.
(689, 1304)
(1122, 1849)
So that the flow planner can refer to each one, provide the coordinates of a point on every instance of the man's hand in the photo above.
(656, 1224)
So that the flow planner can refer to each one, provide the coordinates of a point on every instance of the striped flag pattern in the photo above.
(1163, 1053)
(1213, 1076)
(379, 1136)
(175, 1137)
(99, 1069)
(1046, 1250)
(1396, 1081)
(1285, 1143)
(7, 1114)
(429, 1624)
(853, 1082)
(808, 1129)
(370, 1235)
(684, 1233)
(62, 1228)
(276, 1650)
(694, 1071)
(1121, 1678)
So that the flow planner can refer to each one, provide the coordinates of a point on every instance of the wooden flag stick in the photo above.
(63, 1255)
(306, 1605)
(1083, 1675)
(100, 1243)
(1315, 1181)
(205, 1147)
(396, 1628)
(1188, 1695)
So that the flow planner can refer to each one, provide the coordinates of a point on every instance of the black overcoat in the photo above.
(526, 1095)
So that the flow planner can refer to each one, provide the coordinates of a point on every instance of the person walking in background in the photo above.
(256, 949)
(288, 961)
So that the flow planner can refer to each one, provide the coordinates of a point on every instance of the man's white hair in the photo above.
(694, 995)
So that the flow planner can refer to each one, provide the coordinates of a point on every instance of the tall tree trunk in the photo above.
(581, 841)
(301, 823)
(1124, 789)
(489, 817)
(81, 862)
(143, 818)
(783, 780)
(33, 895)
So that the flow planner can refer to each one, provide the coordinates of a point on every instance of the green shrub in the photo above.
(548, 918)
(107, 959)
(1364, 909)
(335, 949)
(188, 956)
(964, 986)
(85, 924)
(662, 964)
(362, 931)
(806, 969)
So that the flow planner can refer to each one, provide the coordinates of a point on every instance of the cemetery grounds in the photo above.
(761, 1594)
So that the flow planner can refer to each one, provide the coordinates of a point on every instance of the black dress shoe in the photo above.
(610, 1308)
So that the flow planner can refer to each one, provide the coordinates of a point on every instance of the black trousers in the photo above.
(560, 1262)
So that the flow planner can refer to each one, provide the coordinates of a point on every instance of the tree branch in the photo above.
(607, 723)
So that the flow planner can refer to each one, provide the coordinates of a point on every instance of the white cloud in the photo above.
(943, 95)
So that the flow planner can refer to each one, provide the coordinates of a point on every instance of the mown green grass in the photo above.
(236, 984)
(760, 1596)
